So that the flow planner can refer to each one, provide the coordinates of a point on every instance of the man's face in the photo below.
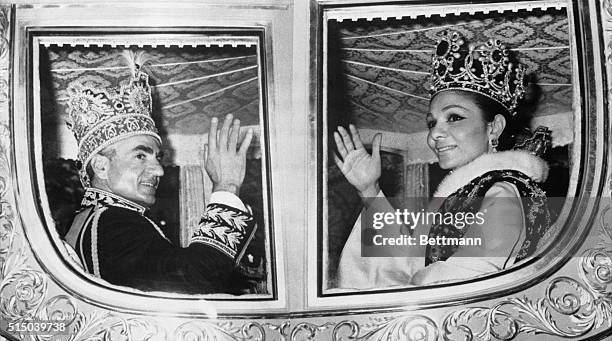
(134, 171)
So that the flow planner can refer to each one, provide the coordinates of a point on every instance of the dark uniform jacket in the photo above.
(117, 242)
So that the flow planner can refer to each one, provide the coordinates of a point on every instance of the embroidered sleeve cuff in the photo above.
(228, 199)
(226, 229)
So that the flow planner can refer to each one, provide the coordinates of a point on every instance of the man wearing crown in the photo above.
(119, 151)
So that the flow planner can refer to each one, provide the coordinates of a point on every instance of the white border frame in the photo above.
(566, 302)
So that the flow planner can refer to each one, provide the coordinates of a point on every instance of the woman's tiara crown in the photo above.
(486, 70)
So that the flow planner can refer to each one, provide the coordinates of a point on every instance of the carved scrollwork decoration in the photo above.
(4, 25)
(226, 331)
(4, 90)
(96, 326)
(412, 327)
(610, 55)
(21, 293)
(308, 330)
(59, 308)
(7, 228)
(504, 321)
(22, 289)
(583, 305)
(282, 329)
(511, 317)
(4, 49)
(108, 327)
(608, 7)
(605, 227)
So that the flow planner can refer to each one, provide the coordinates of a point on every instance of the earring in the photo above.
(493, 143)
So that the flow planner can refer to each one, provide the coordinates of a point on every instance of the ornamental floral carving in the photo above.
(228, 331)
(582, 305)
(402, 328)
(608, 7)
(22, 289)
(4, 49)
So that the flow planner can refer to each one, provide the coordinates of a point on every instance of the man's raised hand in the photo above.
(224, 162)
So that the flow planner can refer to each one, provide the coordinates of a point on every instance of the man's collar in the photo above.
(94, 196)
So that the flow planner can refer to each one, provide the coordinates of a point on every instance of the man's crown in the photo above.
(486, 70)
(99, 118)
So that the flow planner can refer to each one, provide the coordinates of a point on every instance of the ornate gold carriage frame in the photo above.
(564, 294)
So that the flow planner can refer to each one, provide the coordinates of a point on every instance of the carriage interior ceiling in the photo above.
(190, 85)
(383, 67)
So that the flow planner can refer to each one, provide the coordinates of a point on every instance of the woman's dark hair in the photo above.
(491, 108)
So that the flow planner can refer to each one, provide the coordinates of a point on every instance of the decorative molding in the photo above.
(22, 288)
(4, 55)
(610, 54)
(308, 330)
(608, 7)
(582, 306)
(419, 327)
(128, 41)
(382, 12)
(201, 330)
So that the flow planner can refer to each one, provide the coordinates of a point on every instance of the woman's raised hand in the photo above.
(361, 169)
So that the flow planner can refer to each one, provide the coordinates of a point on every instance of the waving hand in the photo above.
(361, 169)
(224, 161)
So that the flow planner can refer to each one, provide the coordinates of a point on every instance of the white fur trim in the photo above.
(528, 164)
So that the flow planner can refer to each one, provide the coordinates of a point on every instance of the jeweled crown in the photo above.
(101, 117)
(486, 70)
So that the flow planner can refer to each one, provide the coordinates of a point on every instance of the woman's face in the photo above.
(458, 132)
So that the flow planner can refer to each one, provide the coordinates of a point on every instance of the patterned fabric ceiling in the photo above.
(383, 65)
(190, 84)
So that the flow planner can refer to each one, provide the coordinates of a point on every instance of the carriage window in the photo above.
(377, 83)
(203, 77)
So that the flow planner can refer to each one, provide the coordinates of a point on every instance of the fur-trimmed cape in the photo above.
(528, 164)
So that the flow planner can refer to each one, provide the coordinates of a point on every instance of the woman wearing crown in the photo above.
(474, 96)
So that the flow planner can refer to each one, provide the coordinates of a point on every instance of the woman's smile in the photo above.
(458, 132)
